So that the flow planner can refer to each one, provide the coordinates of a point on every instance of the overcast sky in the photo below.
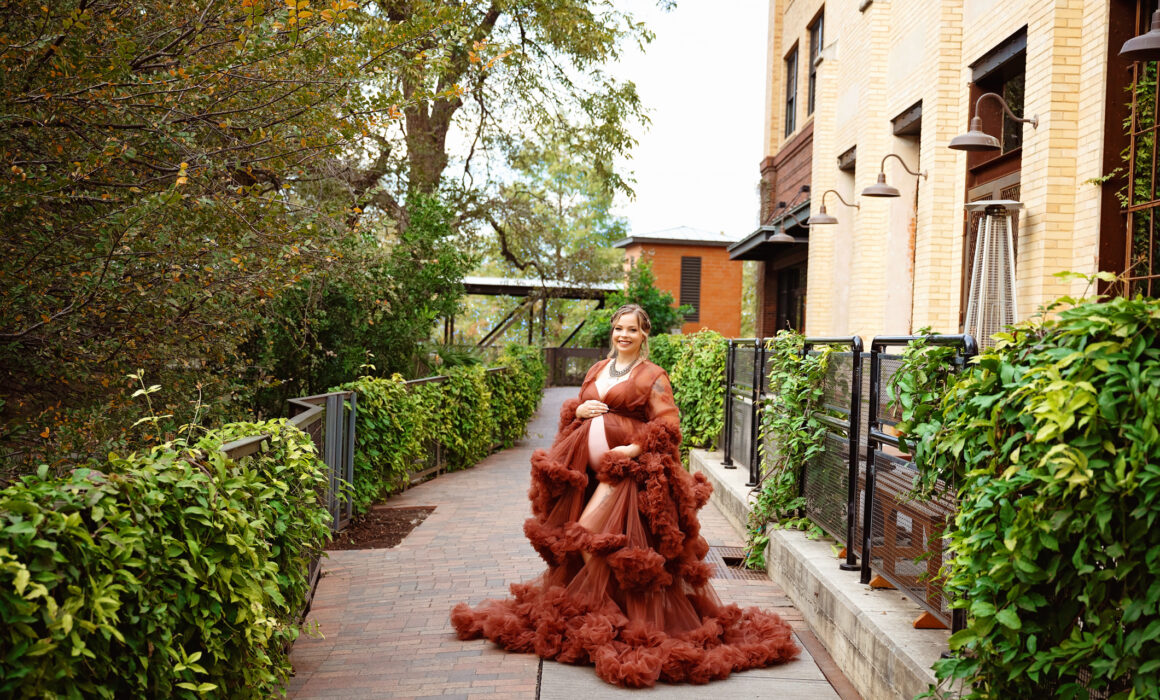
(702, 80)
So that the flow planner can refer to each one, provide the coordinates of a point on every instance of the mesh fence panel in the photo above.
(907, 535)
(742, 430)
(743, 367)
(826, 479)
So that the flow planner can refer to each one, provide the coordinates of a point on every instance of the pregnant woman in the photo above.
(615, 518)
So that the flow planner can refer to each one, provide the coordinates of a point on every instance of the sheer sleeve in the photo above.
(662, 428)
(662, 407)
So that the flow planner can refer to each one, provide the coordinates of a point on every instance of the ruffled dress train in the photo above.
(630, 592)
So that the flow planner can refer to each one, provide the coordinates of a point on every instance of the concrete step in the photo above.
(868, 632)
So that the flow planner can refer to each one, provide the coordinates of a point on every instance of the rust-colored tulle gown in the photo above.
(641, 609)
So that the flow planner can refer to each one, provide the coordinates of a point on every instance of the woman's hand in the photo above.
(591, 408)
(630, 451)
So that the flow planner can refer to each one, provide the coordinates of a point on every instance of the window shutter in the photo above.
(691, 286)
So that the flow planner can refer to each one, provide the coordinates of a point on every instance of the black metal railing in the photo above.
(858, 489)
(898, 531)
(830, 480)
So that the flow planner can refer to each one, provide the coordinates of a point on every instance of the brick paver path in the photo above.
(383, 613)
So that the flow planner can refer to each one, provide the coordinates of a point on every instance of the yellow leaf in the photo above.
(44, 434)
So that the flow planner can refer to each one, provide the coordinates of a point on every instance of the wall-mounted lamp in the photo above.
(822, 218)
(880, 188)
(975, 139)
(1145, 47)
(781, 236)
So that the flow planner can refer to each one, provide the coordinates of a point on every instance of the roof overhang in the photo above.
(521, 287)
(645, 240)
(758, 246)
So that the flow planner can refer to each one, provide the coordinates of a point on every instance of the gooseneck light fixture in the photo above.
(822, 218)
(880, 188)
(975, 139)
(1145, 47)
(780, 236)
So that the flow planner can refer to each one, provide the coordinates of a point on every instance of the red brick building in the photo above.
(694, 266)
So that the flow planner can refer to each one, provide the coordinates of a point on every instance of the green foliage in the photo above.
(468, 413)
(173, 573)
(698, 379)
(791, 436)
(1054, 441)
(392, 432)
(915, 390)
(641, 290)
(169, 169)
(516, 394)
(372, 313)
(664, 350)
(556, 217)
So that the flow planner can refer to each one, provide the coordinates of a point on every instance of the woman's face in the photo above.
(627, 335)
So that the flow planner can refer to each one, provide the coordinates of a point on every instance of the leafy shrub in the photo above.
(698, 379)
(1056, 548)
(391, 433)
(368, 314)
(168, 574)
(663, 349)
(791, 436)
(469, 413)
(516, 394)
(461, 406)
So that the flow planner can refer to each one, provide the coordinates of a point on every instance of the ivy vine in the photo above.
(915, 391)
(791, 435)
(1054, 440)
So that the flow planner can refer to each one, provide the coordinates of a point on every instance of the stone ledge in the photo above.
(868, 632)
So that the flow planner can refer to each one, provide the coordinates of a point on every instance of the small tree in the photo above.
(641, 290)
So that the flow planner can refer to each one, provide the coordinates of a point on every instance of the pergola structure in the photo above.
(530, 291)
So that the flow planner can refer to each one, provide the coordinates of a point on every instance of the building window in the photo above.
(1142, 197)
(691, 286)
(815, 51)
(791, 69)
(1002, 71)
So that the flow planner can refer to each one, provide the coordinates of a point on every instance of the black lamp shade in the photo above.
(1145, 47)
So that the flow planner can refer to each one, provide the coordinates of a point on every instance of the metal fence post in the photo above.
(348, 470)
(851, 563)
(727, 440)
(871, 421)
(755, 425)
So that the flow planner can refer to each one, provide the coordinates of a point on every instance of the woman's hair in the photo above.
(642, 320)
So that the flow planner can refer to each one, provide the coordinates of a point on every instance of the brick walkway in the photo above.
(383, 614)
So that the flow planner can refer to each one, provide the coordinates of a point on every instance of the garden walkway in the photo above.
(383, 613)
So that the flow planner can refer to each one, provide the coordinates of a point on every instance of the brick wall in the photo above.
(863, 277)
(720, 282)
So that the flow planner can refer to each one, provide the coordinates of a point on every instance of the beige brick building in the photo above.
(850, 81)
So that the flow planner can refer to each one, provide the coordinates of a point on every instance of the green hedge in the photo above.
(664, 350)
(1053, 440)
(469, 413)
(167, 574)
(698, 377)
